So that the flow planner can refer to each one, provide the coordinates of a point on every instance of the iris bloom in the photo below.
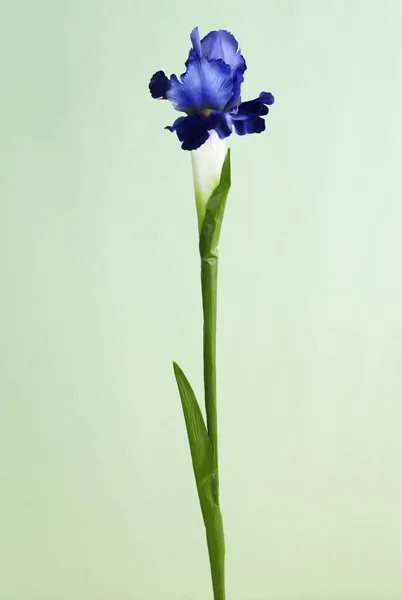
(209, 92)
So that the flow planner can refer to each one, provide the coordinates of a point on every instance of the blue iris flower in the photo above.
(209, 92)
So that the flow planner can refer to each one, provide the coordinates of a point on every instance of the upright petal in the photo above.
(235, 99)
(217, 45)
(205, 85)
(195, 40)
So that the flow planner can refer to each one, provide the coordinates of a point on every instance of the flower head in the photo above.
(209, 92)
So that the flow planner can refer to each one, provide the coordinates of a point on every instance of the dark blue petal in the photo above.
(254, 107)
(176, 124)
(218, 45)
(222, 123)
(257, 106)
(193, 130)
(205, 85)
(249, 124)
(247, 116)
(159, 85)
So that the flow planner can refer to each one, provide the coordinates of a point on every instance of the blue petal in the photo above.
(266, 98)
(221, 45)
(222, 124)
(249, 124)
(193, 130)
(235, 99)
(195, 40)
(159, 85)
(257, 106)
(175, 125)
(254, 107)
(247, 117)
(205, 85)
(218, 45)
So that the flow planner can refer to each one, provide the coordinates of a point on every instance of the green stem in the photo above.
(216, 551)
(215, 539)
(209, 285)
(208, 489)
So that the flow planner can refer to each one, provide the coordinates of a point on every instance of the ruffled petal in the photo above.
(221, 45)
(247, 116)
(248, 124)
(193, 130)
(235, 99)
(266, 98)
(218, 45)
(159, 85)
(222, 124)
(257, 106)
(254, 107)
(195, 40)
(205, 85)
(176, 125)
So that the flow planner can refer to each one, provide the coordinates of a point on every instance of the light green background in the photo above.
(100, 291)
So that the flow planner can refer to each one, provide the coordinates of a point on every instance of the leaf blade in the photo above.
(205, 473)
(200, 444)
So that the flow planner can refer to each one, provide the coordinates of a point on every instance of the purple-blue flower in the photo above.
(209, 92)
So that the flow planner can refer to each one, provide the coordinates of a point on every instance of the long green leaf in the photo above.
(200, 444)
(205, 473)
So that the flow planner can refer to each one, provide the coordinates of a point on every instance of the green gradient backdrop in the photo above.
(100, 291)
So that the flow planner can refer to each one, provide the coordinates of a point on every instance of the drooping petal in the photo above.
(218, 45)
(159, 85)
(176, 125)
(247, 116)
(205, 85)
(194, 130)
(254, 107)
(248, 124)
(222, 123)
(266, 98)
(258, 105)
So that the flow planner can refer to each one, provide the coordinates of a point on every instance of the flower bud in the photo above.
(207, 162)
